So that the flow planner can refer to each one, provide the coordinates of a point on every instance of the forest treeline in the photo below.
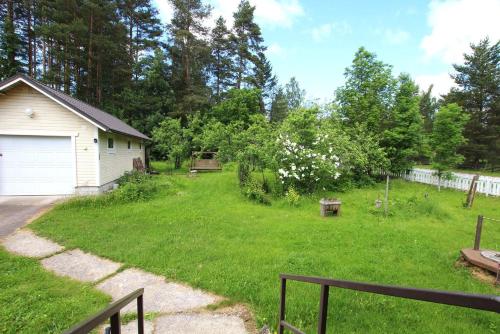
(117, 55)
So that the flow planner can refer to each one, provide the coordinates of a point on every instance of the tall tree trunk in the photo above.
(241, 69)
(66, 69)
(44, 57)
(89, 58)
(34, 41)
(30, 40)
(9, 26)
(98, 83)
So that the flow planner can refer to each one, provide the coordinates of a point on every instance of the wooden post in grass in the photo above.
(479, 228)
(472, 191)
(386, 205)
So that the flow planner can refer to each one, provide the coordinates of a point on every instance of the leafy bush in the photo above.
(133, 177)
(134, 186)
(254, 191)
(243, 173)
(133, 192)
(292, 197)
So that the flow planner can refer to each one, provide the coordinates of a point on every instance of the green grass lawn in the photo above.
(207, 234)
(35, 301)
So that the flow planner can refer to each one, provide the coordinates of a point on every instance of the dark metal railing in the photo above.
(474, 301)
(112, 312)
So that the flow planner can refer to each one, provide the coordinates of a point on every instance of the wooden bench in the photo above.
(206, 161)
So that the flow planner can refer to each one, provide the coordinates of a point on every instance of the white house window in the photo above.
(140, 146)
(128, 145)
(111, 145)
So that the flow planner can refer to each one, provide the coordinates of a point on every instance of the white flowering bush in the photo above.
(307, 168)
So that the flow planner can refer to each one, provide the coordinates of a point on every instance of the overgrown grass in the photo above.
(206, 233)
(167, 167)
(35, 301)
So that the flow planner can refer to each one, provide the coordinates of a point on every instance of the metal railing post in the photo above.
(479, 228)
(323, 309)
(115, 323)
(461, 299)
(140, 314)
(281, 328)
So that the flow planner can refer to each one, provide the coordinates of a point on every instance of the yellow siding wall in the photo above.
(50, 118)
(117, 161)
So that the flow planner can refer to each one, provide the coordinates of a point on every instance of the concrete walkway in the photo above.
(17, 211)
(177, 308)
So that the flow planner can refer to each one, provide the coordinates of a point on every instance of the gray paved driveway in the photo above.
(15, 211)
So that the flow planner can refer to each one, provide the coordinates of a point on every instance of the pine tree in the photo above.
(143, 26)
(428, 107)
(248, 40)
(403, 136)
(263, 79)
(11, 53)
(222, 66)
(478, 93)
(294, 94)
(149, 100)
(190, 56)
(279, 106)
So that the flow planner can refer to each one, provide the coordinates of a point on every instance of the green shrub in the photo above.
(254, 191)
(133, 192)
(243, 174)
(133, 187)
(292, 197)
(133, 177)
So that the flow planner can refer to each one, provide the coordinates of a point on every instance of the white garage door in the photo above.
(36, 165)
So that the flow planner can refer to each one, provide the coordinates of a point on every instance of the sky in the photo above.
(315, 40)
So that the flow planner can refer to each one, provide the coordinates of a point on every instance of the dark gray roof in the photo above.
(103, 119)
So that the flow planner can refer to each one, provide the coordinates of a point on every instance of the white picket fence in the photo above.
(488, 185)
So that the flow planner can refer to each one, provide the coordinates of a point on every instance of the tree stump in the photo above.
(329, 206)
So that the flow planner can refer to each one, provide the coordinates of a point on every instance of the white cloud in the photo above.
(457, 23)
(396, 37)
(322, 32)
(165, 10)
(275, 49)
(280, 13)
(277, 12)
(442, 83)
(326, 30)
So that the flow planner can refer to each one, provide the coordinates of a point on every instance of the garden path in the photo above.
(174, 307)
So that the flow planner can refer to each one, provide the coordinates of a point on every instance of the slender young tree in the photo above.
(367, 96)
(403, 136)
(447, 137)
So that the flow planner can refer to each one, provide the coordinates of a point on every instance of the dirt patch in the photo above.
(479, 273)
(242, 312)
